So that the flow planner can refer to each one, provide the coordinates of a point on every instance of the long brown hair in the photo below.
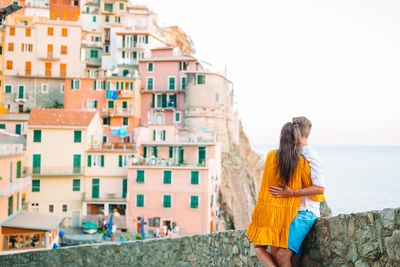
(289, 152)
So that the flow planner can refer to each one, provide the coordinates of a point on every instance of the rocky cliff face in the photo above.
(241, 173)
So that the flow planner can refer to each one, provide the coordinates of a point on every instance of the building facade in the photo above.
(58, 167)
(35, 74)
(174, 181)
(164, 81)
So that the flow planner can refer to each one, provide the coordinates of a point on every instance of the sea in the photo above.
(359, 178)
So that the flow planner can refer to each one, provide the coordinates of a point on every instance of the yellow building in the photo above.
(2, 42)
(57, 142)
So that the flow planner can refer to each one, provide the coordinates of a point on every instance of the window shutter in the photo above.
(117, 86)
(72, 84)
(120, 161)
(171, 152)
(144, 152)
(124, 187)
(89, 160)
(102, 160)
(103, 85)
(154, 135)
(131, 85)
(155, 151)
(95, 104)
(180, 65)
(94, 84)
(163, 135)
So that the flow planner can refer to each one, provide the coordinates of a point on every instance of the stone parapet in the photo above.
(364, 239)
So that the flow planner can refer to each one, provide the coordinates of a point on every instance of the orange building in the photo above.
(175, 36)
(116, 98)
(65, 9)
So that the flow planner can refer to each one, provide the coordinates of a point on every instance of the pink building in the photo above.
(174, 182)
(164, 82)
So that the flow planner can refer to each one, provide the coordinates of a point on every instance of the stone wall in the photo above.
(365, 239)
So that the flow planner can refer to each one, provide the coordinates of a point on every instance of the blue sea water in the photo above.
(359, 178)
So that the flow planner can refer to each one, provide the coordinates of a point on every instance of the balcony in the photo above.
(17, 185)
(169, 105)
(114, 112)
(126, 94)
(10, 149)
(132, 46)
(156, 162)
(86, 43)
(56, 171)
(113, 147)
(49, 56)
(127, 62)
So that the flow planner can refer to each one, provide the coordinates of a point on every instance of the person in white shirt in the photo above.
(311, 196)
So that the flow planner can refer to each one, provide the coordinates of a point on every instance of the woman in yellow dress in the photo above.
(272, 216)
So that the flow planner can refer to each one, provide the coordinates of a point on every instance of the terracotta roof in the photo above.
(60, 117)
(171, 58)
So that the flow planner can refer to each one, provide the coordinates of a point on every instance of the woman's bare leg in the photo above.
(296, 262)
(264, 256)
(283, 256)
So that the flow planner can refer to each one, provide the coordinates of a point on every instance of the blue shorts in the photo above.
(299, 229)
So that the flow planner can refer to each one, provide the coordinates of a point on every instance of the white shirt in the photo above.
(317, 178)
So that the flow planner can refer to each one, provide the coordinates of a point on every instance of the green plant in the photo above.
(139, 237)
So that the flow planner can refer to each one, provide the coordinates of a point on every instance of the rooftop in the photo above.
(32, 220)
(60, 117)
(172, 58)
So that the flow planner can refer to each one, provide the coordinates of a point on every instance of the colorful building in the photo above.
(174, 182)
(14, 182)
(164, 82)
(35, 73)
(175, 36)
(116, 98)
(57, 145)
(64, 10)
(15, 123)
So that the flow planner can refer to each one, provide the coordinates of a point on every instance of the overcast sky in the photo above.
(336, 62)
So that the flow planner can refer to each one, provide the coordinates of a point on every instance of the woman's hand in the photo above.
(281, 191)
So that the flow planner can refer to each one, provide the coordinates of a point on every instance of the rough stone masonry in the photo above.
(358, 240)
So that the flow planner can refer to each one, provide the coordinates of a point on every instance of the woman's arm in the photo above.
(286, 191)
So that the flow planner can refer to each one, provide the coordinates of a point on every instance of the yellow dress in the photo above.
(272, 216)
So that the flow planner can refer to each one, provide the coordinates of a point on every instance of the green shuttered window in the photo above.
(194, 202)
(124, 187)
(140, 177)
(195, 177)
(35, 185)
(76, 185)
(36, 163)
(167, 201)
(95, 188)
(77, 136)
(139, 200)
(18, 169)
(37, 136)
(167, 177)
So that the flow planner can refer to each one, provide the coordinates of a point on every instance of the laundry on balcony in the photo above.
(118, 131)
(111, 94)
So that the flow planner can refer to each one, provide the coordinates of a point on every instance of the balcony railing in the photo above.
(56, 171)
(126, 94)
(47, 73)
(156, 162)
(132, 46)
(169, 105)
(16, 185)
(50, 56)
(117, 112)
(92, 43)
(113, 146)
(128, 61)
(10, 149)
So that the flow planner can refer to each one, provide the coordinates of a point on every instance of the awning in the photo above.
(33, 221)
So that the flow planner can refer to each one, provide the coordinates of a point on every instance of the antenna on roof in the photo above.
(5, 11)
